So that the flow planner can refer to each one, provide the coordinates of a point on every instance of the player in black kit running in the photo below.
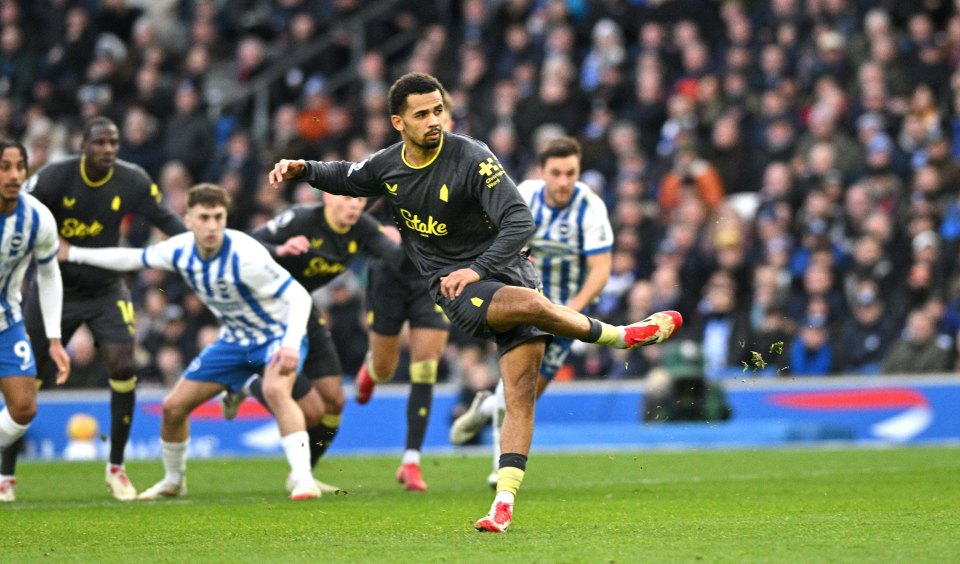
(463, 224)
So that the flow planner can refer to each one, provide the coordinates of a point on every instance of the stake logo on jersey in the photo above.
(425, 228)
(564, 237)
(73, 228)
(90, 214)
(320, 267)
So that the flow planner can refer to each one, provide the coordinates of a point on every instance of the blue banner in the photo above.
(584, 415)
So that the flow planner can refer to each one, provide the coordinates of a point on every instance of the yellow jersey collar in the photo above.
(403, 154)
(337, 230)
(86, 179)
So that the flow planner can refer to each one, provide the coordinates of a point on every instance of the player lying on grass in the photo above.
(263, 315)
(463, 224)
(27, 232)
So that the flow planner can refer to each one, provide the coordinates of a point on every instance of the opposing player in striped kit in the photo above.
(572, 248)
(263, 315)
(90, 196)
(316, 243)
(27, 231)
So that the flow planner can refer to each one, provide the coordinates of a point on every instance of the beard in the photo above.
(427, 143)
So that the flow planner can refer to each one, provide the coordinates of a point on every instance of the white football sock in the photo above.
(501, 398)
(10, 430)
(504, 496)
(174, 461)
(297, 448)
(495, 401)
(411, 456)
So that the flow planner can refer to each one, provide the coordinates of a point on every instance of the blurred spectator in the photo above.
(865, 337)
(811, 353)
(188, 137)
(17, 63)
(721, 325)
(918, 351)
(139, 141)
(692, 174)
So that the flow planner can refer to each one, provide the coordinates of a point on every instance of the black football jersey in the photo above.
(331, 250)
(459, 210)
(89, 213)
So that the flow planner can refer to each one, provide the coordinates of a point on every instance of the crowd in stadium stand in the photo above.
(785, 173)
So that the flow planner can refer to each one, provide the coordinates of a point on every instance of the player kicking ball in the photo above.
(571, 247)
(263, 315)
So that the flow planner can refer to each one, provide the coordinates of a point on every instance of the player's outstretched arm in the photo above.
(121, 259)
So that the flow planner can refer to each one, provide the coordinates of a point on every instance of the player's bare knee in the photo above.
(22, 411)
(119, 360)
(121, 369)
(334, 404)
(384, 370)
(535, 308)
(173, 411)
(313, 413)
(274, 391)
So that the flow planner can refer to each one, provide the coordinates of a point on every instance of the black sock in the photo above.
(596, 330)
(513, 459)
(320, 438)
(8, 459)
(301, 387)
(418, 414)
(121, 420)
(256, 390)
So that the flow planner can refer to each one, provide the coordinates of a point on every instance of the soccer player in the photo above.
(89, 197)
(263, 316)
(572, 247)
(316, 243)
(394, 296)
(27, 231)
(463, 223)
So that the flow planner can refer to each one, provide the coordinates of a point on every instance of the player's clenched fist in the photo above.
(285, 170)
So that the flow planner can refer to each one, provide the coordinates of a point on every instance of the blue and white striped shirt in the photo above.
(241, 285)
(29, 228)
(564, 237)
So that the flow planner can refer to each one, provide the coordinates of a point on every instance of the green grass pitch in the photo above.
(790, 505)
